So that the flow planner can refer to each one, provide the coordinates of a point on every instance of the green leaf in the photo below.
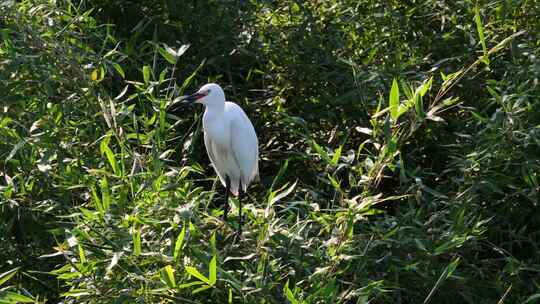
(445, 275)
(532, 299)
(14, 150)
(82, 255)
(137, 241)
(111, 159)
(97, 201)
(89, 216)
(114, 261)
(194, 272)
(101, 73)
(104, 148)
(394, 100)
(201, 289)
(480, 29)
(289, 294)
(77, 293)
(212, 270)
(105, 194)
(94, 75)
(146, 73)
(283, 194)
(419, 107)
(4, 277)
(167, 276)
(337, 155)
(426, 86)
(182, 50)
(168, 56)
(188, 80)
(187, 285)
(179, 243)
(119, 69)
(13, 297)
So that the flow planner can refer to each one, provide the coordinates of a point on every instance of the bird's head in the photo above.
(209, 94)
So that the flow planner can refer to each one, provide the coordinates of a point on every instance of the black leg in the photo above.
(240, 207)
(227, 190)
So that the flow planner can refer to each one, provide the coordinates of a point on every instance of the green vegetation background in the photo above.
(400, 152)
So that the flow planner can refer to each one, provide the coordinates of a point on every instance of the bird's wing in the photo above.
(210, 146)
(244, 145)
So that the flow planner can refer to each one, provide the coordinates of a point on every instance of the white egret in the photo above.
(230, 140)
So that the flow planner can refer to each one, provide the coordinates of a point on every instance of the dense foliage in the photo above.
(400, 152)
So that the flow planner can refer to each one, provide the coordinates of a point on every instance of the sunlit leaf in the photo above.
(94, 75)
(146, 73)
(480, 29)
(212, 271)
(283, 194)
(194, 272)
(119, 69)
(168, 55)
(289, 294)
(4, 277)
(178, 244)
(167, 276)
(394, 100)
(13, 297)
(137, 241)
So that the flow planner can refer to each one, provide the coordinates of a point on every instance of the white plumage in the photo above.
(229, 137)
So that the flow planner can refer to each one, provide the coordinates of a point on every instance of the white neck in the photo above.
(215, 107)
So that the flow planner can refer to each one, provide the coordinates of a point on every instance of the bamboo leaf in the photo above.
(146, 73)
(182, 50)
(394, 100)
(337, 155)
(104, 149)
(289, 294)
(167, 276)
(4, 277)
(179, 243)
(105, 194)
(533, 298)
(171, 58)
(13, 297)
(201, 289)
(480, 29)
(137, 241)
(94, 75)
(212, 271)
(444, 275)
(187, 285)
(119, 69)
(283, 194)
(194, 272)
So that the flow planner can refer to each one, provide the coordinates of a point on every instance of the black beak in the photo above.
(179, 102)
(191, 98)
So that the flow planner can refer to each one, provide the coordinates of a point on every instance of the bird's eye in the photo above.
(208, 92)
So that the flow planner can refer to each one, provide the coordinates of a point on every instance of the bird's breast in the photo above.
(218, 132)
